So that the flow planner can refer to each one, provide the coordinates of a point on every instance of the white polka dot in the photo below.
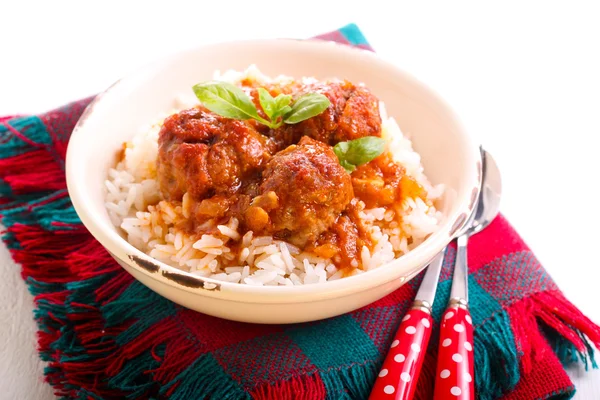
(399, 358)
(468, 346)
(459, 328)
(406, 317)
(425, 322)
(415, 347)
(449, 315)
(410, 330)
(457, 357)
(405, 376)
(389, 389)
(456, 391)
(395, 343)
(444, 374)
(469, 320)
(467, 377)
(383, 373)
(446, 342)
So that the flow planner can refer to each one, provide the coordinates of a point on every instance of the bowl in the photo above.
(448, 155)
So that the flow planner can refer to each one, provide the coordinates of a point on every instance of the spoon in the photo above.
(454, 375)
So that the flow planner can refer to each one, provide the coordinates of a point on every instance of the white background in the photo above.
(524, 77)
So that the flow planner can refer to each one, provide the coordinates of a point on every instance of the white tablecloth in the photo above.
(524, 77)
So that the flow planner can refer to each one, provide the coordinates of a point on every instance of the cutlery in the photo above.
(400, 371)
(454, 375)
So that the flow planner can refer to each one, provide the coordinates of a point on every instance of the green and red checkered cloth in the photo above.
(106, 336)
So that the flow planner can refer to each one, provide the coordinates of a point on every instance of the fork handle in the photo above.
(454, 375)
(402, 366)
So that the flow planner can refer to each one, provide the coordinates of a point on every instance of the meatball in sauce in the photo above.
(285, 182)
(311, 188)
(353, 113)
(204, 154)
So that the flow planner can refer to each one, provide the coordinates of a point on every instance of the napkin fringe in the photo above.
(309, 387)
(45, 237)
(73, 336)
(350, 383)
(496, 357)
(548, 315)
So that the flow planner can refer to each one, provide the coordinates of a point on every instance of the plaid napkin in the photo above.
(106, 336)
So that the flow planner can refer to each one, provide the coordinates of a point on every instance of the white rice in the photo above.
(134, 204)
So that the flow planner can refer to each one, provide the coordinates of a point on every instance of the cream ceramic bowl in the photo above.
(448, 155)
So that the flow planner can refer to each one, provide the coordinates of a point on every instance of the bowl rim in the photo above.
(121, 249)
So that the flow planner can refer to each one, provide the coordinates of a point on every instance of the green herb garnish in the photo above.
(226, 99)
(274, 107)
(230, 101)
(357, 152)
(306, 106)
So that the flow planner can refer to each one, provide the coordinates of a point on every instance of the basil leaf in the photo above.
(282, 111)
(357, 152)
(341, 149)
(282, 105)
(231, 101)
(305, 107)
(274, 107)
(347, 166)
(267, 102)
(226, 100)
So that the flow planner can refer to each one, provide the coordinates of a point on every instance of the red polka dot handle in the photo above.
(454, 375)
(398, 376)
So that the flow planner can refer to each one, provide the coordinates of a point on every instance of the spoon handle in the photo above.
(454, 375)
(402, 366)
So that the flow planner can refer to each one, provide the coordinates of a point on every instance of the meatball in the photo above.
(303, 192)
(352, 114)
(205, 154)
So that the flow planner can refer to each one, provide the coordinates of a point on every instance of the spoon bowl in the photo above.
(488, 203)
